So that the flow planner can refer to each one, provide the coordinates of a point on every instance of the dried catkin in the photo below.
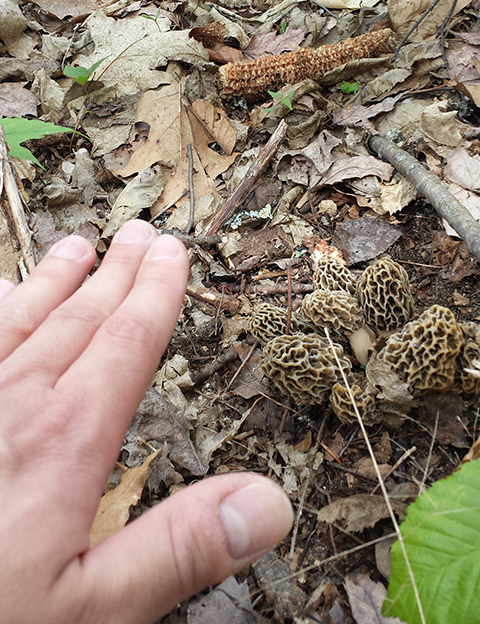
(252, 79)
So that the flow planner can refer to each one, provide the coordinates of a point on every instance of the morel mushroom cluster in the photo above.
(432, 353)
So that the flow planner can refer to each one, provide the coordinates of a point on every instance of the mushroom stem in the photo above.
(361, 342)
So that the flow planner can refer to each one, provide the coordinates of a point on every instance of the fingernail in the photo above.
(163, 248)
(134, 232)
(255, 519)
(71, 248)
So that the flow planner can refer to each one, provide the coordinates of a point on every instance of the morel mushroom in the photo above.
(268, 322)
(303, 366)
(423, 353)
(340, 311)
(343, 407)
(331, 273)
(465, 381)
(384, 293)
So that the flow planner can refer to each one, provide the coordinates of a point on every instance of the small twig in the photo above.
(207, 371)
(430, 451)
(192, 241)
(429, 186)
(380, 480)
(395, 466)
(303, 495)
(240, 368)
(229, 303)
(13, 206)
(289, 299)
(278, 289)
(191, 217)
(441, 32)
(264, 158)
(168, 206)
(417, 23)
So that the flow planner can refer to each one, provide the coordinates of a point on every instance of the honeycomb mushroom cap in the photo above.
(423, 353)
(303, 366)
(268, 321)
(336, 309)
(331, 273)
(343, 407)
(469, 354)
(385, 296)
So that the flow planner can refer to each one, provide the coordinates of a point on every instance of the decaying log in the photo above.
(429, 186)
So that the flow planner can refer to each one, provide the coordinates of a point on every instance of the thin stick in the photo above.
(289, 299)
(245, 186)
(303, 495)
(417, 23)
(190, 190)
(430, 451)
(380, 480)
(14, 206)
(429, 186)
(225, 302)
(240, 368)
(441, 32)
(395, 466)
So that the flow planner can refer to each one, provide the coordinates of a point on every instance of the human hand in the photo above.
(74, 365)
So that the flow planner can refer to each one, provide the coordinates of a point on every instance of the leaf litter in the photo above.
(154, 93)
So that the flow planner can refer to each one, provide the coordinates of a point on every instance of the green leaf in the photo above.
(349, 87)
(442, 539)
(17, 130)
(274, 95)
(283, 27)
(81, 74)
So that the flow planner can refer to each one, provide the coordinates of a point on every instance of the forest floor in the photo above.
(155, 123)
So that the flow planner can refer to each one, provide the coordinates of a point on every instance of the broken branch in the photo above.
(429, 186)
(245, 186)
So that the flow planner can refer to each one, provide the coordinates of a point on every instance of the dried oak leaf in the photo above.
(358, 512)
(366, 600)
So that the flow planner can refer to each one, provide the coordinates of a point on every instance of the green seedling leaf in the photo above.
(17, 130)
(285, 100)
(442, 539)
(81, 74)
(349, 87)
(150, 17)
(283, 27)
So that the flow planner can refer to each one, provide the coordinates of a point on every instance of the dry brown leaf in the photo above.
(275, 43)
(171, 130)
(358, 512)
(15, 101)
(221, 53)
(64, 8)
(364, 238)
(216, 123)
(114, 508)
(366, 600)
(355, 167)
(404, 14)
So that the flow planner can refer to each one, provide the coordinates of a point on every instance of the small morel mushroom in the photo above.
(335, 309)
(303, 367)
(423, 353)
(268, 322)
(331, 273)
(343, 407)
(384, 293)
(469, 354)
(340, 311)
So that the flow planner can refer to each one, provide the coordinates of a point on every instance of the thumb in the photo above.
(195, 538)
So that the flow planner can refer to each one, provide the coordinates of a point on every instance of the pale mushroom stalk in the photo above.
(361, 342)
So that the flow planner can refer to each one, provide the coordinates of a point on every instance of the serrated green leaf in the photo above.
(349, 87)
(17, 130)
(442, 539)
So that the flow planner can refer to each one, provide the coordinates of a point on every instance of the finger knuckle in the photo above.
(20, 320)
(89, 316)
(131, 330)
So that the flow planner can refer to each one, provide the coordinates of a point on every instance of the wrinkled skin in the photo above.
(75, 361)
